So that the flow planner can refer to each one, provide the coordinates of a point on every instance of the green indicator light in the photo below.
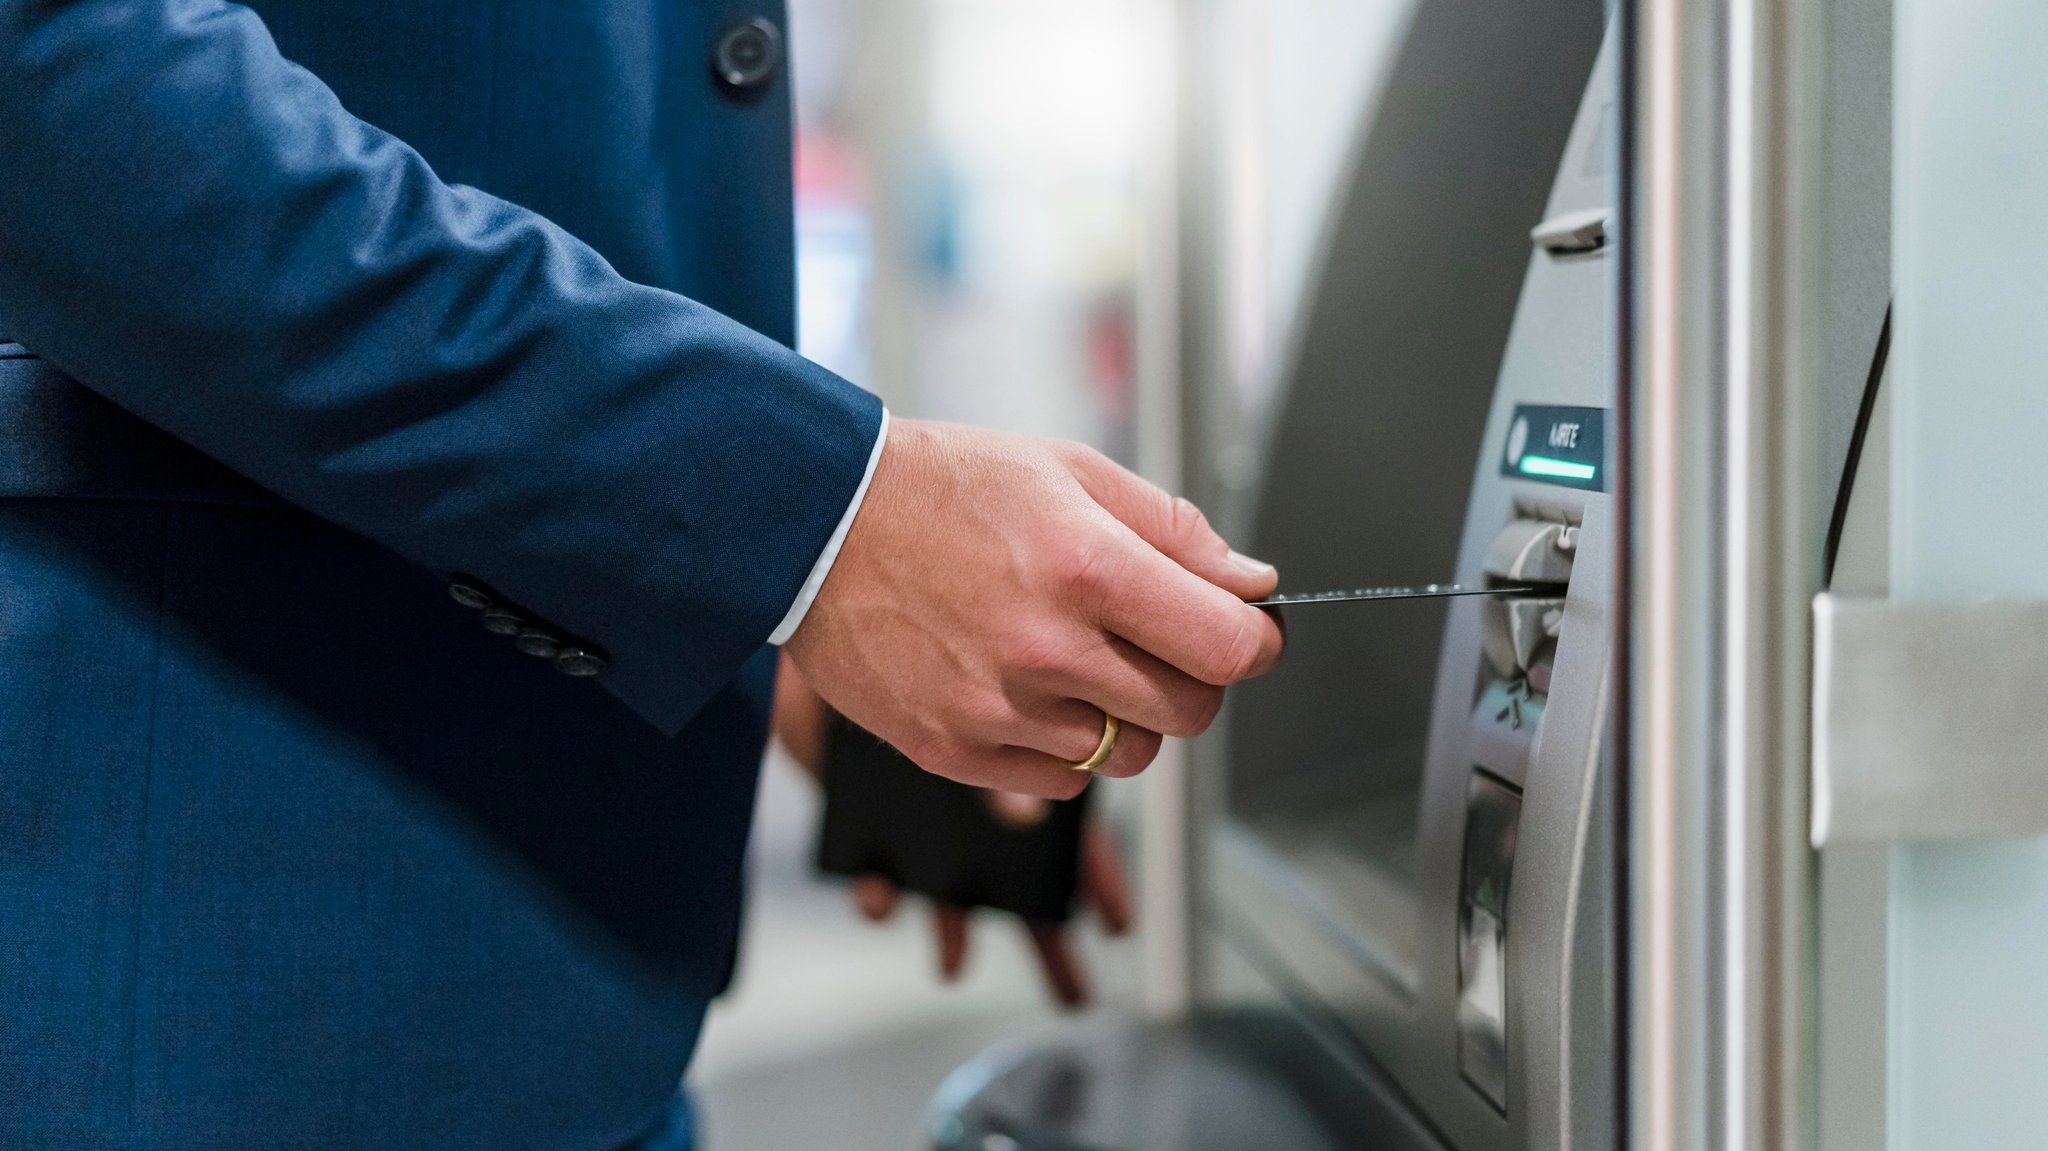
(1562, 469)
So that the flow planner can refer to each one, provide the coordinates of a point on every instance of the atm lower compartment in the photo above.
(1219, 1082)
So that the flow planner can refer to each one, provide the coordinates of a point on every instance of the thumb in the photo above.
(1175, 526)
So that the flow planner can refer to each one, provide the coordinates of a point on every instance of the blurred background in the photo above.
(990, 196)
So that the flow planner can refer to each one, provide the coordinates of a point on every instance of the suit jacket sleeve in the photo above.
(195, 228)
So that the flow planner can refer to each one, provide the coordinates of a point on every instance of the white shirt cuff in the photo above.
(809, 592)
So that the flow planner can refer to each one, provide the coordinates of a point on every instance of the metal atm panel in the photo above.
(1406, 887)
(1472, 911)
(1473, 964)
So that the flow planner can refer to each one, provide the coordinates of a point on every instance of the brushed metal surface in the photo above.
(1929, 721)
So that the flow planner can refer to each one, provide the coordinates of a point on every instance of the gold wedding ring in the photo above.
(1102, 750)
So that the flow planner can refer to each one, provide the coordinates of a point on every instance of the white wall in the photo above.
(1969, 957)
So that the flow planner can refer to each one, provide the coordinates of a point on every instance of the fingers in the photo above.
(1136, 748)
(1064, 976)
(1182, 596)
(984, 614)
(1047, 746)
(1173, 525)
(1103, 885)
(1035, 772)
(1061, 697)
(1068, 732)
(949, 928)
(1137, 687)
(1103, 882)
(1018, 811)
(875, 897)
(1192, 624)
(1063, 973)
(1018, 769)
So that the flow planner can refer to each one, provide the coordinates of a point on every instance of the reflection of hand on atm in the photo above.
(892, 827)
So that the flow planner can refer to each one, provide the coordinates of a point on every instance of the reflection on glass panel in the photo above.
(1364, 380)
(1296, 92)
(1299, 84)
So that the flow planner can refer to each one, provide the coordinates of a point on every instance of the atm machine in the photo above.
(1405, 865)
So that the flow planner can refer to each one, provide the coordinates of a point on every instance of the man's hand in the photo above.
(997, 594)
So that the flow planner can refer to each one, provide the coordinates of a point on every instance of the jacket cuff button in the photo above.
(470, 592)
(504, 621)
(579, 661)
(747, 56)
(538, 641)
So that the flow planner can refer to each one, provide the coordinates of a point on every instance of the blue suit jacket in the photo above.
(313, 310)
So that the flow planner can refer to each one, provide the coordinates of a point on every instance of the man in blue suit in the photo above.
(319, 319)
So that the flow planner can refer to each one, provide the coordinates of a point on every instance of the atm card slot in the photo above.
(1518, 634)
(1533, 551)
